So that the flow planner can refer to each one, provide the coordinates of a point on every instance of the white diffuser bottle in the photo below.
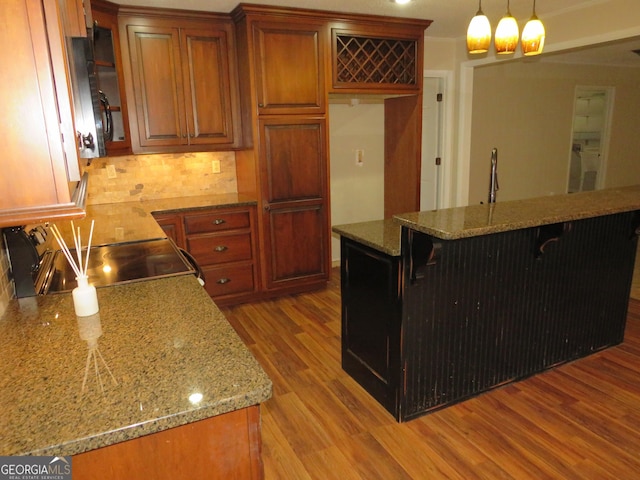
(85, 298)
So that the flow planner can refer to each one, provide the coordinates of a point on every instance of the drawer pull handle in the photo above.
(220, 248)
(218, 221)
(223, 280)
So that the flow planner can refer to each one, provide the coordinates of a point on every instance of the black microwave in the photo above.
(86, 98)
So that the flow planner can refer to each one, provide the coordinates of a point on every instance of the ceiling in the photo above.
(450, 18)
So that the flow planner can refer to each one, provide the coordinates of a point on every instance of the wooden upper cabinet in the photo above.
(289, 63)
(40, 162)
(108, 65)
(207, 86)
(383, 58)
(183, 79)
(76, 17)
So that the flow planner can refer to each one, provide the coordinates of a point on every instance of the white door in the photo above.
(590, 138)
(430, 181)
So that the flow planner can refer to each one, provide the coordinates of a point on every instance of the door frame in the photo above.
(446, 180)
(605, 131)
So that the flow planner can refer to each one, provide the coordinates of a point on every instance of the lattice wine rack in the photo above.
(375, 60)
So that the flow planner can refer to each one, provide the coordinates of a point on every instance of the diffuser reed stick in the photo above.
(85, 299)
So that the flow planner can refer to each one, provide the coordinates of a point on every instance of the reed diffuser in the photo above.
(85, 298)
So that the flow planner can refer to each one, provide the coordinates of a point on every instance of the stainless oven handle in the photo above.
(194, 264)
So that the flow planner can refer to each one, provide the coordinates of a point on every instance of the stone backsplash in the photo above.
(145, 177)
(149, 177)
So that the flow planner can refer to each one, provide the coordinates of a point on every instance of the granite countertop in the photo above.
(155, 344)
(381, 235)
(133, 221)
(476, 220)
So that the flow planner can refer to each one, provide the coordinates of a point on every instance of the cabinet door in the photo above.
(111, 80)
(39, 154)
(155, 60)
(172, 226)
(294, 185)
(207, 86)
(289, 67)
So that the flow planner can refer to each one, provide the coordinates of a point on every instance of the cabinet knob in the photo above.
(218, 221)
(220, 248)
(261, 105)
(191, 135)
(223, 280)
(184, 135)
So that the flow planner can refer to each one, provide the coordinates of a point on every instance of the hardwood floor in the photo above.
(578, 421)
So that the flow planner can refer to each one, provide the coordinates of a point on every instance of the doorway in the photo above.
(592, 112)
(432, 129)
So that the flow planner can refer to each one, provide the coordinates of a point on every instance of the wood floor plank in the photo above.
(577, 421)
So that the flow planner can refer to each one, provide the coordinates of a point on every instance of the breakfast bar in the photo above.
(458, 301)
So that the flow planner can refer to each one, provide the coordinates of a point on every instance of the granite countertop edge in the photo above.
(485, 219)
(150, 427)
(477, 220)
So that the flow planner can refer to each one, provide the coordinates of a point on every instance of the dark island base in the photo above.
(452, 319)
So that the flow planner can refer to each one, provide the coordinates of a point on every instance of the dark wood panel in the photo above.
(207, 86)
(294, 166)
(155, 60)
(402, 154)
(290, 67)
(216, 221)
(218, 248)
(296, 240)
(227, 280)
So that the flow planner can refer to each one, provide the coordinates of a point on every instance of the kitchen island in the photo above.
(479, 296)
(156, 385)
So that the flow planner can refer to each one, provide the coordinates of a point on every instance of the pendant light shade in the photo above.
(479, 32)
(507, 34)
(533, 35)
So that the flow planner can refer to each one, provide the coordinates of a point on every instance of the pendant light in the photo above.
(507, 34)
(479, 32)
(533, 35)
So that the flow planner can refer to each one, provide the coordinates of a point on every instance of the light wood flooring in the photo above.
(578, 421)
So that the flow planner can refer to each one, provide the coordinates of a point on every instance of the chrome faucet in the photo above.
(493, 184)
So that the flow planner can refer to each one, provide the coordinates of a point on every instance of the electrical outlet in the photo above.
(215, 166)
(119, 233)
(111, 171)
(359, 157)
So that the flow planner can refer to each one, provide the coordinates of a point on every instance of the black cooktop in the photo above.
(113, 264)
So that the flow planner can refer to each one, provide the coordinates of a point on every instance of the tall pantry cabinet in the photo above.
(282, 84)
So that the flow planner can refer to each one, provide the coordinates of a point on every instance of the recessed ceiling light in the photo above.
(401, 2)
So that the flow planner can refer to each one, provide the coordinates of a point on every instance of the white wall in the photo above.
(357, 192)
(526, 111)
(589, 24)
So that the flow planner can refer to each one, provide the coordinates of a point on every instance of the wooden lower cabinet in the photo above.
(224, 447)
(295, 202)
(224, 243)
(172, 225)
(372, 320)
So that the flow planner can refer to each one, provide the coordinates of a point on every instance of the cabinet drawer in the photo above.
(216, 222)
(215, 249)
(228, 280)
